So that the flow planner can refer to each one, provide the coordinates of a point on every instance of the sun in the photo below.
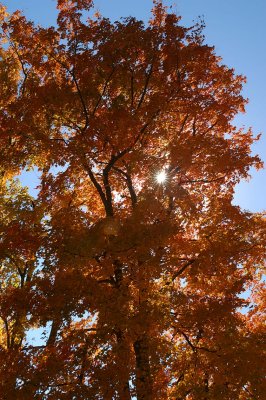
(161, 177)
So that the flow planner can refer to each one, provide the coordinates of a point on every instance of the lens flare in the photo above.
(161, 177)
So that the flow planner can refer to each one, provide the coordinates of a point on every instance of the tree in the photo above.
(136, 280)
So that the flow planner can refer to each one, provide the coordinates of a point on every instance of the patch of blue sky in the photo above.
(38, 336)
(31, 180)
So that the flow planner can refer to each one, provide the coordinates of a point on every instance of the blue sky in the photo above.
(235, 27)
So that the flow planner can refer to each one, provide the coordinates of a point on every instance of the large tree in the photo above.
(135, 277)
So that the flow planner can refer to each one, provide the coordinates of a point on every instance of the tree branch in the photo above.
(103, 92)
(148, 76)
(182, 269)
(129, 182)
(81, 99)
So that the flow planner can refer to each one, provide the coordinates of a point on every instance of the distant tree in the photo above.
(136, 276)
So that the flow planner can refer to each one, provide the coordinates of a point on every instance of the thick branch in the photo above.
(130, 186)
(53, 333)
(96, 185)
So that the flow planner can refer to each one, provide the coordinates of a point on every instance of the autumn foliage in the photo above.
(136, 285)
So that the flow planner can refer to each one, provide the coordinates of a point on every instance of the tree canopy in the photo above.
(135, 279)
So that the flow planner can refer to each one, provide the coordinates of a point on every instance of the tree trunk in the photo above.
(143, 373)
(126, 393)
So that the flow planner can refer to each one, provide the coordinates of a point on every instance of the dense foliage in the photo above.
(136, 284)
